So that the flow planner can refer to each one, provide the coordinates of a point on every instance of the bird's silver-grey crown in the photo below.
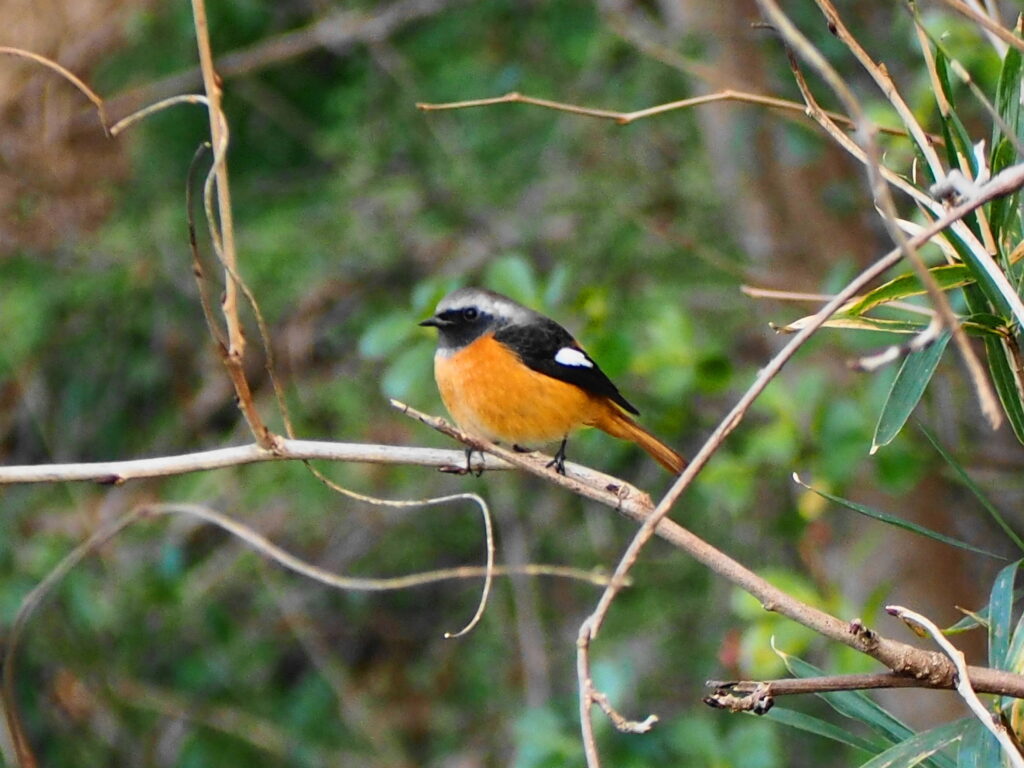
(501, 308)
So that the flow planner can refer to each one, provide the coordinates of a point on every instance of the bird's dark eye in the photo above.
(470, 314)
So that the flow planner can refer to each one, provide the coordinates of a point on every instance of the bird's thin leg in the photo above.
(469, 462)
(559, 461)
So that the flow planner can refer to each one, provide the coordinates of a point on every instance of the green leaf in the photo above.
(426, 294)
(514, 276)
(386, 335)
(1005, 382)
(857, 324)
(898, 522)
(989, 289)
(1015, 653)
(819, 727)
(973, 488)
(852, 704)
(1004, 153)
(948, 277)
(921, 746)
(957, 139)
(1000, 610)
(907, 389)
(406, 374)
(978, 748)
(972, 620)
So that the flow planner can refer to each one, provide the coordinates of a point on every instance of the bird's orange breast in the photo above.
(490, 392)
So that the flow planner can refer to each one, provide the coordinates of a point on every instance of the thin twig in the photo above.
(747, 695)
(757, 292)
(29, 604)
(197, 264)
(222, 229)
(583, 481)
(71, 77)
(134, 117)
(844, 140)
(991, 26)
(963, 681)
(624, 118)
(407, 503)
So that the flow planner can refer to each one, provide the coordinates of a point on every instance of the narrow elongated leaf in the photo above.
(1000, 608)
(1007, 104)
(958, 140)
(921, 746)
(997, 303)
(819, 727)
(857, 324)
(948, 276)
(852, 704)
(907, 389)
(1006, 384)
(978, 748)
(1015, 653)
(899, 522)
(972, 620)
(973, 488)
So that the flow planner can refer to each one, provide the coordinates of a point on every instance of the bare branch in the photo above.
(899, 657)
(991, 26)
(71, 77)
(755, 695)
(624, 118)
(222, 228)
(117, 472)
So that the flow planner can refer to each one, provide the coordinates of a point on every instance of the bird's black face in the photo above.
(459, 326)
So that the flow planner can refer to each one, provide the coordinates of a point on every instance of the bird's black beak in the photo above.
(431, 322)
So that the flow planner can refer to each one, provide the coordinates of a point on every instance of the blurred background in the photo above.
(355, 213)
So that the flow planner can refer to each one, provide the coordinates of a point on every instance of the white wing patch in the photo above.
(573, 357)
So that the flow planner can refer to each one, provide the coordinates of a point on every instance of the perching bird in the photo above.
(514, 376)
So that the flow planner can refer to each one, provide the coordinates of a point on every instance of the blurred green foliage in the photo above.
(355, 214)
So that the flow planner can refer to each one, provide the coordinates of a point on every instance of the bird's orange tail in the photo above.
(618, 424)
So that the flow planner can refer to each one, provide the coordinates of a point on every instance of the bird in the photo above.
(514, 376)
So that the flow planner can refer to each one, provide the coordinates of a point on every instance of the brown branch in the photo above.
(624, 118)
(756, 696)
(989, 24)
(223, 231)
(71, 77)
(897, 656)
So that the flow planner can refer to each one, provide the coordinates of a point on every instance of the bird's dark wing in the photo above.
(548, 348)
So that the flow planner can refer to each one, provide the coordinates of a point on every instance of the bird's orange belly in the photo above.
(490, 392)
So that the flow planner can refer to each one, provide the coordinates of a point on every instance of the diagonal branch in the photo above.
(897, 656)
